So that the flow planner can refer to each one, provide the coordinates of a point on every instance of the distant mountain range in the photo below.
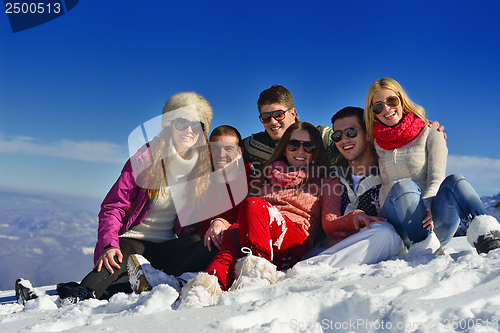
(492, 205)
(44, 240)
(47, 242)
(23, 201)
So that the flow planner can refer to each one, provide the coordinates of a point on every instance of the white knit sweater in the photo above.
(422, 160)
(158, 225)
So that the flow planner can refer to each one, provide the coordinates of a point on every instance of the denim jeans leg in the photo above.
(456, 202)
(405, 210)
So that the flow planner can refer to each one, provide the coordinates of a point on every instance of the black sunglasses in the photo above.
(392, 101)
(350, 132)
(294, 145)
(278, 115)
(182, 124)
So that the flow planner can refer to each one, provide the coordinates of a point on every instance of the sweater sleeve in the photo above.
(333, 224)
(436, 154)
(342, 225)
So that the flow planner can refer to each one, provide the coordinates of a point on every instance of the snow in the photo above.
(431, 242)
(415, 292)
(480, 226)
(47, 243)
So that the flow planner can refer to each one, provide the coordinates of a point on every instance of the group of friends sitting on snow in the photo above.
(208, 214)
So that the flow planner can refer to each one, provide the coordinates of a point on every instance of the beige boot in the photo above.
(203, 290)
(144, 277)
(253, 271)
(136, 274)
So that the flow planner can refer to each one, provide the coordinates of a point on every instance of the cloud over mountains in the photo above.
(89, 151)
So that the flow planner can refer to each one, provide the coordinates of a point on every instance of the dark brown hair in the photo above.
(276, 94)
(226, 130)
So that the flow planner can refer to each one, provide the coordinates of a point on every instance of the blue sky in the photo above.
(73, 89)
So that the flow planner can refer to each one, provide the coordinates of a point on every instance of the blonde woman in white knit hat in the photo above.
(168, 174)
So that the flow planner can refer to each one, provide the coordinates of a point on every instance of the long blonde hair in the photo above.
(406, 103)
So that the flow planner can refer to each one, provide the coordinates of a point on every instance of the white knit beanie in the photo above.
(190, 106)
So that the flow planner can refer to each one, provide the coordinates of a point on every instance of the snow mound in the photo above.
(481, 225)
(431, 242)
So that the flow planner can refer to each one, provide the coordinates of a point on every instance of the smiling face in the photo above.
(276, 128)
(353, 149)
(184, 140)
(224, 150)
(299, 157)
(389, 116)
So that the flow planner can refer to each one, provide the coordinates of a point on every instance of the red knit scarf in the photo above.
(280, 175)
(389, 138)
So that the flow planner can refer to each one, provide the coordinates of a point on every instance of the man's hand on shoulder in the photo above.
(440, 128)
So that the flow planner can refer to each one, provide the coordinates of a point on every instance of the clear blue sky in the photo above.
(73, 89)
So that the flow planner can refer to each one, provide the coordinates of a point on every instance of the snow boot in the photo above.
(77, 294)
(144, 277)
(253, 271)
(136, 273)
(431, 242)
(24, 291)
(63, 288)
(483, 233)
(203, 290)
(184, 278)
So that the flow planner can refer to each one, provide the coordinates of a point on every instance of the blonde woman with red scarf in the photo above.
(424, 207)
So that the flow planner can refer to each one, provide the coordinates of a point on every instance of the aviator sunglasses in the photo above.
(391, 101)
(278, 115)
(182, 125)
(350, 132)
(294, 145)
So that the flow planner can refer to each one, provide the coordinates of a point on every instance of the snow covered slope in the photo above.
(416, 292)
(48, 241)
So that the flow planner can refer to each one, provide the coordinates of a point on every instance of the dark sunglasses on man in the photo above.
(265, 117)
(182, 124)
(350, 132)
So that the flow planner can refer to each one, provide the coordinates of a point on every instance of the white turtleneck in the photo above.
(158, 225)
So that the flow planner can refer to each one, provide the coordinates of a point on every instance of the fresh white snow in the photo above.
(417, 292)
(459, 291)
(481, 225)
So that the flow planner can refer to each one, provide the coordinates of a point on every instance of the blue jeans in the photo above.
(455, 202)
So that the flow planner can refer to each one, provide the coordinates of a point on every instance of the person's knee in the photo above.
(452, 180)
(406, 189)
(458, 185)
(253, 208)
(405, 186)
(249, 204)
